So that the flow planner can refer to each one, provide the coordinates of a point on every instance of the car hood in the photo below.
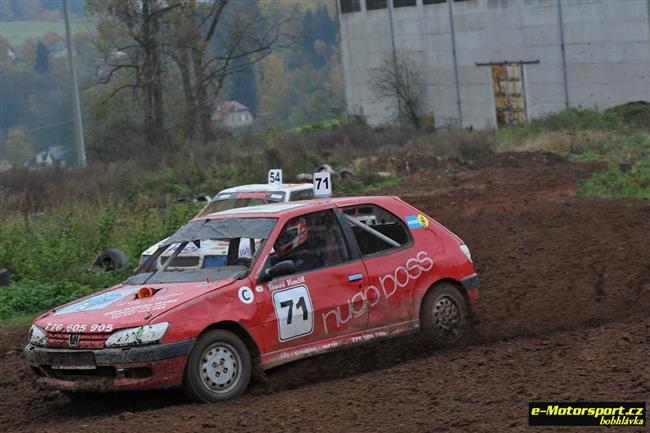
(119, 307)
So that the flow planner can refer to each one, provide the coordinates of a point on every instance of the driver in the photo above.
(292, 244)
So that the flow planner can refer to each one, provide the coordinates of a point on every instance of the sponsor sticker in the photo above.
(417, 221)
(98, 302)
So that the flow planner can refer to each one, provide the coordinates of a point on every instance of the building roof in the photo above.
(226, 107)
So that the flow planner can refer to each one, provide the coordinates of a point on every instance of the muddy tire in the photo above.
(444, 315)
(219, 368)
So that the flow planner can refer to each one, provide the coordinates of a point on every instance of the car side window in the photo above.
(383, 231)
(312, 241)
(302, 195)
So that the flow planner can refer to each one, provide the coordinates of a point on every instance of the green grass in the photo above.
(615, 184)
(50, 255)
(19, 320)
(16, 32)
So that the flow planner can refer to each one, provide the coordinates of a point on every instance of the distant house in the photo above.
(4, 165)
(57, 50)
(232, 114)
(12, 54)
(54, 155)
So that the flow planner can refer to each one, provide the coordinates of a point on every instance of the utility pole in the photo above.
(459, 103)
(78, 126)
(563, 47)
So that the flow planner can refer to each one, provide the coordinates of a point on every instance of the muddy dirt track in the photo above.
(564, 315)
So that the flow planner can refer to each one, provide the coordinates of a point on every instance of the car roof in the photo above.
(267, 187)
(278, 209)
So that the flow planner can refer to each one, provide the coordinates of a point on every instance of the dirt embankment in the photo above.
(565, 296)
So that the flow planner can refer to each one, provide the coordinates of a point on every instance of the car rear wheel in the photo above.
(219, 367)
(444, 315)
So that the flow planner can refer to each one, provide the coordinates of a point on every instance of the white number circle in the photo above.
(246, 295)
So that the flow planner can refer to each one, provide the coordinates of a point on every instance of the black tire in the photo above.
(444, 315)
(217, 352)
(5, 277)
(111, 260)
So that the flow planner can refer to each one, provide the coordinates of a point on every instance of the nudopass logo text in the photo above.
(389, 283)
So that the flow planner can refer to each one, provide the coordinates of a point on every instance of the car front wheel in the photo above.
(219, 367)
(444, 315)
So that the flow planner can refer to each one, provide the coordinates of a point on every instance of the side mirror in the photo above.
(285, 267)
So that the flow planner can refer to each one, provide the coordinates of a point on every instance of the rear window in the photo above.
(302, 195)
(383, 231)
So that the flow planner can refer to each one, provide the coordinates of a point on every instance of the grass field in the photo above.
(16, 32)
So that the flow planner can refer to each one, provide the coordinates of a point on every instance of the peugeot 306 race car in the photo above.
(213, 253)
(323, 274)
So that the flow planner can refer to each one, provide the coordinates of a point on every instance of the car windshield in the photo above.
(226, 201)
(206, 250)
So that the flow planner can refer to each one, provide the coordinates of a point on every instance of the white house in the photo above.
(232, 114)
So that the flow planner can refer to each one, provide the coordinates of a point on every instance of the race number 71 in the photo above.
(294, 312)
(322, 185)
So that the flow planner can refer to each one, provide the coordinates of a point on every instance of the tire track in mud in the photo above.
(563, 314)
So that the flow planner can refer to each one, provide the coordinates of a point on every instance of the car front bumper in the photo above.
(130, 368)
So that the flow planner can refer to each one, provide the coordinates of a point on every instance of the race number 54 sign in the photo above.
(322, 185)
(275, 176)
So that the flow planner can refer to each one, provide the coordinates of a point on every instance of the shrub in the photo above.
(614, 183)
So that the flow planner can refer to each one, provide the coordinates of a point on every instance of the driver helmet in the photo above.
(293, 235)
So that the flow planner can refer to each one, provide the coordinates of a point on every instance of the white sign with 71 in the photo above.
(322, 184)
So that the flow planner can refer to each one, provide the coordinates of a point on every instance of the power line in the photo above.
(44, 126)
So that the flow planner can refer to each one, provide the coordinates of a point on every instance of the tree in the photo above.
(18, 147)
(242, 87)
(398, 80)
(200, 42)
(6, 11)
(212, 41)
(274, 87)
(131, 41)
(42, 64)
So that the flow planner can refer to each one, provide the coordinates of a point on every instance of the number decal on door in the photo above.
(294, 311)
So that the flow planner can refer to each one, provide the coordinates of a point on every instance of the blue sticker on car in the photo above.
(417, 221)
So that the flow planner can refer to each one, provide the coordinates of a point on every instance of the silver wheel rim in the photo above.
(220, 368)
(447, 318)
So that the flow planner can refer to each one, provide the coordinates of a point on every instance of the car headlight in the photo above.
(37, 336)
(465, 251)
(137, 336)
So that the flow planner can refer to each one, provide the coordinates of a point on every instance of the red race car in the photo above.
(324, 274)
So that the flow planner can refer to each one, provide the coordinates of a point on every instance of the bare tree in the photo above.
(131, 40)
(149, 43)
(212, 40)
(398, 80)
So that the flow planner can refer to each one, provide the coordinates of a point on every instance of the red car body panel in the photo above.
(361, 300)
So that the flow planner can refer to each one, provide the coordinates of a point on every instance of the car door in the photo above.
(392, 265)
(324, 298)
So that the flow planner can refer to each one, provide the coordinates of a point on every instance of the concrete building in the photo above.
(486, 63)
